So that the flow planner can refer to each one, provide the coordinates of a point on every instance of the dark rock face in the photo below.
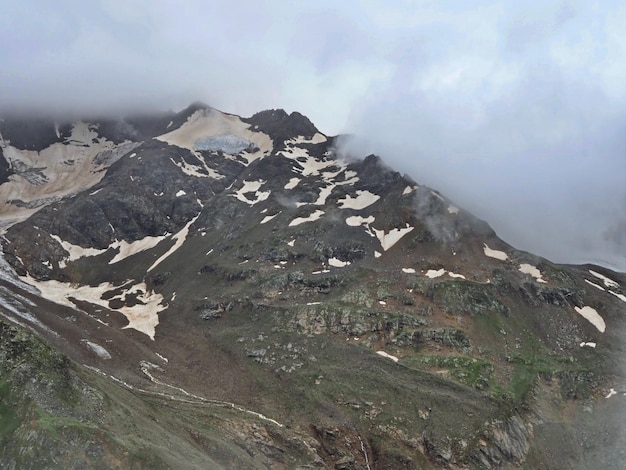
(283, 306)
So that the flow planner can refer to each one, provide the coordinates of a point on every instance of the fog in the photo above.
(514, 110)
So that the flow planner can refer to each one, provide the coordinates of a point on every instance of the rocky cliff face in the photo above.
(317, 310)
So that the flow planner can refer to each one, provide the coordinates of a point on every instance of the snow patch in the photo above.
(252, 187)
(432, 273)
(619, 296)
(316, 139)
(293, 182)
(357, 220)
(267, 218)
(501, 255)
(97, 349)
(533, 271)
(611, 393)
(588, 344)
(180, 193)
(300, 220)
(75, 251)
(389, 239)
(607, 282)
(593, 317)
(408, 270)
(453, 210)
(142, 316)
(363, 200)
(409, 190)
(180, 238)
(595, 285)
(337, 263)
(127, 249)
(388, 356)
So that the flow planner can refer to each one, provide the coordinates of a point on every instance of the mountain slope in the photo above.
(369, 321)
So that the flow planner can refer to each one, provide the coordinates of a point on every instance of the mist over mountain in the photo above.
(206, 290)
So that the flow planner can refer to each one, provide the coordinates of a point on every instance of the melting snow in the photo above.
(300, 220)
(363, 200)
(607, 282)
(501, 255)
(388, 356)
(593, 317)
(533, 271)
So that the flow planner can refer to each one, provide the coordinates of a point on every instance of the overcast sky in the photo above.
(515, 110)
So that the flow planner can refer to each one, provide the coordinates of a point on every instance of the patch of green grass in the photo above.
(468, 370)
(9, 420)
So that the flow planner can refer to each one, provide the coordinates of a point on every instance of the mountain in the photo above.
(201, 290)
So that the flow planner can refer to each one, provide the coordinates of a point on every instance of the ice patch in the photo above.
(591, 315)
(501, 255)
(97, 349)
(214, 126)
(226, 143)
(533, 271)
